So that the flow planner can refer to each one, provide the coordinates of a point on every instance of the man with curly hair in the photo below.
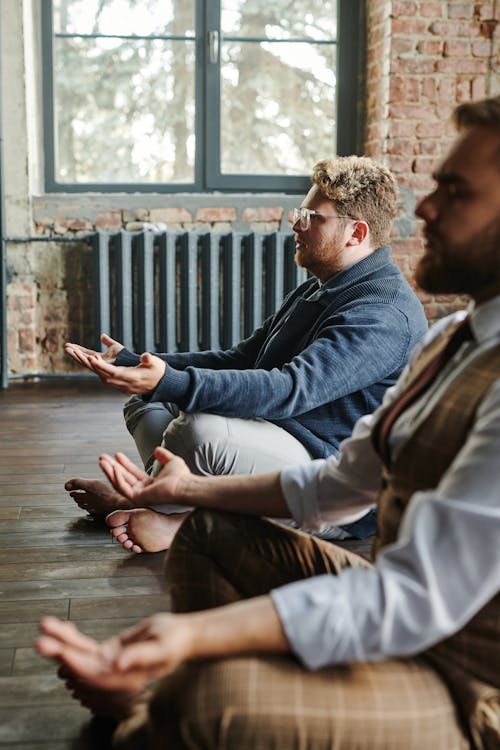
(293, 390)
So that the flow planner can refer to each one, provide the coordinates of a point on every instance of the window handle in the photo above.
(213, 45)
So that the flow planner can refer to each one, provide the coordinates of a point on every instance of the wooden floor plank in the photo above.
(56, 560)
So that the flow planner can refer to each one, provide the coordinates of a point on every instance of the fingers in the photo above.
(107, 465)
(128, 469)
(80, 355)
(163, 455)
(102, 367)
(120, 478)
(66, 633)
(124, 461)
(108, 341)
(146, 656)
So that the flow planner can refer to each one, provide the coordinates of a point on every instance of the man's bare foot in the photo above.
(95, 497)
(145, 530)
(115, 704)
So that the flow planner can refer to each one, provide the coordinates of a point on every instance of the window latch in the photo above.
(213, 45)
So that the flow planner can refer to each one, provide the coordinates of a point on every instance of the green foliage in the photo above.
(125, 106)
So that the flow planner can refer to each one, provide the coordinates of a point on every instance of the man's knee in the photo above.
(201, 440)
(206, 705)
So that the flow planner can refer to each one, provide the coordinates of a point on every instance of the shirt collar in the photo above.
(485, 319)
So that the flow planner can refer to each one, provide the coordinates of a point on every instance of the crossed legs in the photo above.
(272, 701)
(209, 444)
(266, 701)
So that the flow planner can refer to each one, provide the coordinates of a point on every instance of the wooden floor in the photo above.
(56, 560)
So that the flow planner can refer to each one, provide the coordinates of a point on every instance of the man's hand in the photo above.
(82, 355)
(142, 489)
(127, 662)
(140, 379)
(158, 645)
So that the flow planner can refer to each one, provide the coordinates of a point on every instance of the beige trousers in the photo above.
(264, 703)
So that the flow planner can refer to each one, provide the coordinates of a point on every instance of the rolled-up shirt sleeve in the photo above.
(444, 566)
(335, 490)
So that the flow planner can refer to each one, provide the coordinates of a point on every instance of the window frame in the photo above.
(207, 173)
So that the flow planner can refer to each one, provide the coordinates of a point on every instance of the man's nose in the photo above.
(427, 208)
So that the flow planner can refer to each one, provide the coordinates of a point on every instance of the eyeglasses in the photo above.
(303, 216)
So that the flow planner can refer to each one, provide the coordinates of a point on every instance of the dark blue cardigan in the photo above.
(314, 367)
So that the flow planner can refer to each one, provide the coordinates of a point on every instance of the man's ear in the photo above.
(359, 233)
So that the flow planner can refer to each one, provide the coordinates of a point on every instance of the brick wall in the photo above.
(423, 58)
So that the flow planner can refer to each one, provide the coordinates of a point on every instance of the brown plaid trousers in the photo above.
(264, 702)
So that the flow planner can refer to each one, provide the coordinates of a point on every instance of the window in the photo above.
(191, 95)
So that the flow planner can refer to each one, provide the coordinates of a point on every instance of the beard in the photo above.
(469, 267)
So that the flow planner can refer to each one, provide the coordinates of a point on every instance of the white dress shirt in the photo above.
(445, 563)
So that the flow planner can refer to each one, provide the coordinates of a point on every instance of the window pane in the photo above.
(141, 17)
(277, 107)
(124, 110)
(280, 19)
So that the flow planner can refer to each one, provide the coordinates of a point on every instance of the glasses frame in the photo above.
(303, 216)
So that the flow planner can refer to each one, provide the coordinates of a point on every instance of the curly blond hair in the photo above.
(362, 189)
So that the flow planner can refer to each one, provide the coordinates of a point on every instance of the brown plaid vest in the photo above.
(469, 661)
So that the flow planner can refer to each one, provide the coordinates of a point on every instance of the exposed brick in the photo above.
(21, 302)
(463, 90)
(265, 226)
(409, 27)
(135, 214)
(44, 226)
(488, 27)
(448, 29)
(404, 8)
(423, 164)
(446, 90)
(27, 339)
(430, 47)
(432, 10)
(484, 10)
(410, 111)
(402, 146)
(51, 341)
(197, 226)
(111, 220)
(221, 226)
(167, 215)
(429, 89)
(399, 164)
(429, 129)
(402, 46)
(212, 214)
(428, 147)
(478, 88)
(134, 226)
(262, 213)
(481, 48)
(404, 89)
(67, 225)
(421, 184)
(401, 129)
(456, 48)
(462, 65)
(413, 65)
(460, 10)
(409, 246)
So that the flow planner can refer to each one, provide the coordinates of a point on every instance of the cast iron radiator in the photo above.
(170, 291)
